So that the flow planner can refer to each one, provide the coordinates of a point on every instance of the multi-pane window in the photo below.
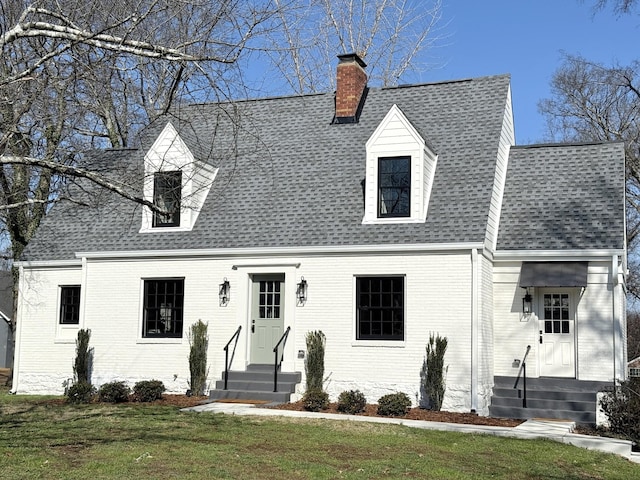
(556, 313)
(394, 186)
(70, 305)
(163, 308)
(269, 306)
(380, 308)
(167, 195)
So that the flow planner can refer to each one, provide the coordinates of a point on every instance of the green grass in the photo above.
(40, 439)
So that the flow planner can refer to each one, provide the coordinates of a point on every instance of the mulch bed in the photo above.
(420, 414)
(371, 410)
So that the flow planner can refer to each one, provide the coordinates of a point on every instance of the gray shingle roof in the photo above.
(290, 178)
(564, 197)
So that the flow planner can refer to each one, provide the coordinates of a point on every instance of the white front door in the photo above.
(557, 334)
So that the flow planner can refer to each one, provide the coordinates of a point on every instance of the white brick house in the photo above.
(406, 211)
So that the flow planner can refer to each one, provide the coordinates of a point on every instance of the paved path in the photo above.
(558, 430)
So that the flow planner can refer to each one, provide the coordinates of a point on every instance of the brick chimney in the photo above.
(351, 88)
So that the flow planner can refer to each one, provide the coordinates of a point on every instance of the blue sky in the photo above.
(525, 38)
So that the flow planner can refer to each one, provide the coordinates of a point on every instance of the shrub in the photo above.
(352, 401)
(434, 371)
(315, 400)
(80, 392)
(84, 358)
(148, 390)
(199, 341)
(314, 363)
(622, 407)
(114, 392)
(393, 404)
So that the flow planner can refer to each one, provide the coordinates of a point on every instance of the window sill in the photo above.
(162, 341)
(379, 343)
(62, 340)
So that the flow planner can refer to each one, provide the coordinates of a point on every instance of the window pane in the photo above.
(163, 308)
(167, 195)
(70, 305)
(394, 186)
(380, 308)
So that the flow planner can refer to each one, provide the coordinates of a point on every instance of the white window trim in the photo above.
(354, 322)
(68, 332)
(140, 339)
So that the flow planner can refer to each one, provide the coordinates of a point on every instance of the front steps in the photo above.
(560, 398)
(256, 383)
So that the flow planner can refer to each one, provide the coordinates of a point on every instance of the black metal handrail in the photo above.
(276, 364)
(523, 372)
(227, 363)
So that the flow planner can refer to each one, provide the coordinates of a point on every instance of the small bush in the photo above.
(114, 392)
(315, 400)
(622, 407)
(199, 341)
(314, 363)
(148, 390)
(393, 404)
(80, 392)
(352, 401)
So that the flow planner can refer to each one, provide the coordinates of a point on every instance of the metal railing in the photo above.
(277, 364)
(523, 372)
(227, 363)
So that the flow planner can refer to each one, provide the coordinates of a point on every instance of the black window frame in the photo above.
(380, 307)
(163, 308)
(392, 181)
(167, 190)
(69, 305)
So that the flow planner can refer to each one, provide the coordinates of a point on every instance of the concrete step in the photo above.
(580, 417)
(559, 395)
(256, 383)
(256, 386)
(550, 383)
(276, 397)
(545, 403)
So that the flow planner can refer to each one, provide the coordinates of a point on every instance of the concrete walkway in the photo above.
(557, 430)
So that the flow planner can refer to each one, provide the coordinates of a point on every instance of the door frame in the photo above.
(253, 336)
(573, 316)
(244, 278)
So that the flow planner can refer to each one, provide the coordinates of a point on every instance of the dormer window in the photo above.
(175, 182)
(167, 195)
(394, 187)
(399, 173)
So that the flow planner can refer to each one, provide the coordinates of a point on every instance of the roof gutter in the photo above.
(281, 251)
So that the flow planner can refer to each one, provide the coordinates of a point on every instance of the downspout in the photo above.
(474, 330)
(18, 333)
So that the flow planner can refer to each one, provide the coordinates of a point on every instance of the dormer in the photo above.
(175, 182)
(400, 167)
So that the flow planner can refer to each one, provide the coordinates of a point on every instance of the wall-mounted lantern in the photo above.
(526, 303)
(224, 293)
(301, 291)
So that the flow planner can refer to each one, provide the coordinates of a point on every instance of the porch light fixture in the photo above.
(224, 292)
(526, 303)
(301, 291)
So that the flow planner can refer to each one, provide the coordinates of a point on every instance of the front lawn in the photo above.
(42, 438)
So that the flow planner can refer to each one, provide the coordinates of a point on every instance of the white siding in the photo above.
(594, 324)
(507, 139)
(438, 300)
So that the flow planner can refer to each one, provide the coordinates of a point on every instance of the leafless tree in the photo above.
(77, 75)
(620, 7)
(389, 35)
(633, 335)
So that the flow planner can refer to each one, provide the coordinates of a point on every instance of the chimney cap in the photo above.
(351, 57)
